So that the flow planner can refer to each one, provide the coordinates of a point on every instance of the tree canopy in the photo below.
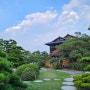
(75, 48)
(8, 80)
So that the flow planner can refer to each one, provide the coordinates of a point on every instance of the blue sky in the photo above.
(32, 23)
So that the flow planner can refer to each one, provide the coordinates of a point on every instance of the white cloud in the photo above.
(85, 12)
(31, 32)
(38, 28)
(68, 17)
(74, 4)
(41, 17)
(34, 19)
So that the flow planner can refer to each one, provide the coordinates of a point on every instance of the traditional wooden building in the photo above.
(59, 40)
(56, 42)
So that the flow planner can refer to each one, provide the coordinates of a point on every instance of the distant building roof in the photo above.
(69, 36)
(60, 40)
(56, 41)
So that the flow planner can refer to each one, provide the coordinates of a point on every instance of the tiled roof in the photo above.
(59, 40)
(54, 43)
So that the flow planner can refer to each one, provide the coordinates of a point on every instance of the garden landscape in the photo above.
(44, 44)
(23, 70)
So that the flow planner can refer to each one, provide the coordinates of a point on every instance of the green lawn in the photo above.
(51, 84)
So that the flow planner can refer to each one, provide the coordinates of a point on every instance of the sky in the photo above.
(32, 23)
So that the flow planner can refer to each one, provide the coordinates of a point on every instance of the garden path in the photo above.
(68, 82)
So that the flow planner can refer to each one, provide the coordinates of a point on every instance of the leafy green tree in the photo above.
(74, 55)
(16, 55)
(8, 80)
(78, 34)
(43, 57)
(36, 56)
(81, 36)
(8, 44)
(74, 49)
(39, 57)
(26, 55)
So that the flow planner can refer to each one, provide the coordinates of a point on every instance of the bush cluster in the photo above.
(85, 59)
(12, 82)
(78, 66)
(82, 81)
(8, 79)
(56, 65)
(28, 72)
(87, 68)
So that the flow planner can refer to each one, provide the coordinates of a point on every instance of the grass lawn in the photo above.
(51, 84)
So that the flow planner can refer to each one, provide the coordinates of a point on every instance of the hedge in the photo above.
(28, 72)
(82, 81)
(85, 59)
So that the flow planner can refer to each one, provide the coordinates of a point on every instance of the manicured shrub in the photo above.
(86, 79)
(85, 59)
(20, 69)
(28, 71)
(87, 68)
(77, 77)
(82, 81)
(56, 65)
(85, 74)
(28, 74)
(86, 86)
(78, 83)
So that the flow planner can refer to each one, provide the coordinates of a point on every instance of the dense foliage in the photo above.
(18, 56)
(56, 65)
(85, 59)
(78, 66)
(15, 54)
(39, 58)
(8, 80)
(12, 56)
(87, 68)
(82, 81)
(75, 49)
(28, 72)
